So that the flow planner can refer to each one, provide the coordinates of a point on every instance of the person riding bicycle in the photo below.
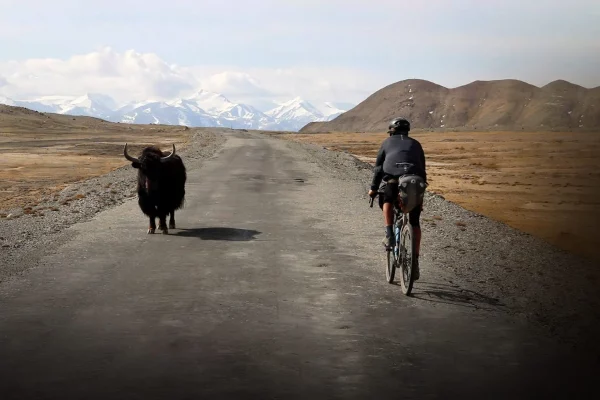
(398, 157)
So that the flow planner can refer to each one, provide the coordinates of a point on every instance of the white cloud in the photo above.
(234, 83)
(125, 76)
(133, 76)
(265, 85)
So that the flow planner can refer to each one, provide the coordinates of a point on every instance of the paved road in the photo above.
(254, 296)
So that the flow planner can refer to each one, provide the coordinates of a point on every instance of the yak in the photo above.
(160, 185)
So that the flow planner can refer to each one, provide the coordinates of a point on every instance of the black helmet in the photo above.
(399, 125)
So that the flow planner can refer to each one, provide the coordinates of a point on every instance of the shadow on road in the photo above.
(231, 234)
(452, 294)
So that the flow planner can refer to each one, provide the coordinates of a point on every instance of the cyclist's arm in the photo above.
(378, 169)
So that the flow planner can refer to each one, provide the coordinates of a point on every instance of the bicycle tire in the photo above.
(406, 270)
(390, 270)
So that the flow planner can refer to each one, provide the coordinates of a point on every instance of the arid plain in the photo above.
(40, 154)
(544, 183)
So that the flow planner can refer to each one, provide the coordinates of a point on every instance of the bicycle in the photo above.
(401, 256)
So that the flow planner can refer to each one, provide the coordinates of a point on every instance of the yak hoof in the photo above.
(165, 231)
(151, 231)
(172, 226)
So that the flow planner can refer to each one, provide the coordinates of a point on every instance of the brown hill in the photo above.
(501, 104)
(20, 118)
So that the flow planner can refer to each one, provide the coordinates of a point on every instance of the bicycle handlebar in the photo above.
(373, 198)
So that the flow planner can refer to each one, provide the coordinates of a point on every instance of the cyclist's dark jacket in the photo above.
(397, 149)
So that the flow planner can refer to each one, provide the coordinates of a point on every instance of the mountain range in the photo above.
(203, 109)
(499, 104)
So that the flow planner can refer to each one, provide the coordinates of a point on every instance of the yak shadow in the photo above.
(454, 295)
(227, 234)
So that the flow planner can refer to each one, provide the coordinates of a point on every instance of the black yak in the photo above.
(161, 185)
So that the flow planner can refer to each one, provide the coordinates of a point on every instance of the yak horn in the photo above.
(172, 153)
(127, 156)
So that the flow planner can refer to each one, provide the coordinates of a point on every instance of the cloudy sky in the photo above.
(334, 50)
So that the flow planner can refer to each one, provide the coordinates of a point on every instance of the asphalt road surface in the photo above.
(256, 294)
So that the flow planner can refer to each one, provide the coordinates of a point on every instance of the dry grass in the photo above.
(40, 154)
(546, 184)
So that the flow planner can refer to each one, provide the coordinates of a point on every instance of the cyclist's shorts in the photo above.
(390, 195)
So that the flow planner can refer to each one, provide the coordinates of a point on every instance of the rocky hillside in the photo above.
(503, 104)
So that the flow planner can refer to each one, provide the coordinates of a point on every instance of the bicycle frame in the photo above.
(401, 224)
(400, 220)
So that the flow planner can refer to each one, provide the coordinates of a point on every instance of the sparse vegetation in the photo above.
(491, 165)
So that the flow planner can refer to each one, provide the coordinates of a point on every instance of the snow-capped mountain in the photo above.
(296, 113)
(224, 112)
(203, 109)
(52, 104)
(213, 103)
(91, 104)
(164, 113)
(333, 110)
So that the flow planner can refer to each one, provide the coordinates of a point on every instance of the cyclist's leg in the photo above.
(415, 221)
(390, 195)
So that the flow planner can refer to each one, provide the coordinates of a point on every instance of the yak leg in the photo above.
(152, 227)
(172, 220)
(162, 224)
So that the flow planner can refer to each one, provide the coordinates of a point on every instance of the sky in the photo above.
(272, 50)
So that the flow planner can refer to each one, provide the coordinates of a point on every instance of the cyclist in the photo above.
(395, 150)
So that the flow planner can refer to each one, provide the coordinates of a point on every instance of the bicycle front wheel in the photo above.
(407, 251)
(390, 271)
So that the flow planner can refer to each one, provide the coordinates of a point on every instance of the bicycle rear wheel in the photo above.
(407, 251)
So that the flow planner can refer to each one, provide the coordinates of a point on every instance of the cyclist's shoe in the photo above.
(416, 271)
(389, 242)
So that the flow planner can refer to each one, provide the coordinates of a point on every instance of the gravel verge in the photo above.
(473, 261)
(27, 233)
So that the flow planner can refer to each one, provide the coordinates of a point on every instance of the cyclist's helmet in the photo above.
(399, 125)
